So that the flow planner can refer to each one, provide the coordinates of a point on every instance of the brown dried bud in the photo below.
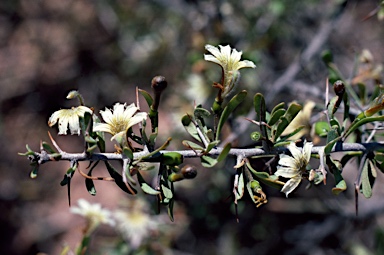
(339, 88)
(189, 172)
(159, 84)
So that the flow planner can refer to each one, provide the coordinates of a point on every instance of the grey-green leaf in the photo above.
(232, 104)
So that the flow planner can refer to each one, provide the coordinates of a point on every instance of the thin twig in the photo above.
(362, 147)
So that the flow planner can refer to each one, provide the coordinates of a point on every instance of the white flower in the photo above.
(229, 60)
(135, 224)
(94, 214)
(68, 117)
(120, 119)
(294, 166)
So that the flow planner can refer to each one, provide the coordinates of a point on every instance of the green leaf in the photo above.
(146, 187)
(119, 179)
(128, 153)
(170, 209)
(279, 128)
(190, 127)
(239, 190)
(359, 122)
(67, 177)
(285, 120)
(292, 111)
(278, 107)
(276, 116)
(166, 191)
(232, 104)
(207, 161)
(294, 132)
(192, 145)
(335, 169)
(366, 187)
(47, 148)
(147, 97)
(332, 106)
(322, 128)
(201, 113)
(224, 152)
(90, 140)
(340, 187)
(211, 145)
(270, 180)
(259, 104)
(332, 139)
(260, 109)
(89, 182)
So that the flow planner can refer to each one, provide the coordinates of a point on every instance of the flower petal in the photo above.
(101, 127)
(287, 172)
(118, 109)
(63, 124)
(211, 59)
(295, 151)
(286, 160)
(130, 111)
(106, 115)
(214, 50)
(139, 117)
(74, 126)
(307, 149)
(291, 185)
(246, 63)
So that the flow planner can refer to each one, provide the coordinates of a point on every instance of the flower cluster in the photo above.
(117, 121)
(134, 224)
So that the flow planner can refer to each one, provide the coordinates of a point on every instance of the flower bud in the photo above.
(73, 94)
(175, 177)
(189, 172)
(159, 84)
(339, 88)
(255, 136)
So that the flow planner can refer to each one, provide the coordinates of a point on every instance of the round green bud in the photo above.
(255, 136)
(255, 184)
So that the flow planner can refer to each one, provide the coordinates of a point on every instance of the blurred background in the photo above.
(107, 48)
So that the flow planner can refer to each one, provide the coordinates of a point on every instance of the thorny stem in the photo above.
(45, 157)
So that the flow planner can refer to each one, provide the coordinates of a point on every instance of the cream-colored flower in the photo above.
(229, 60)
(120, 119)
(135, 224)
(294, 166)
(94, 214)
(68, 117)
